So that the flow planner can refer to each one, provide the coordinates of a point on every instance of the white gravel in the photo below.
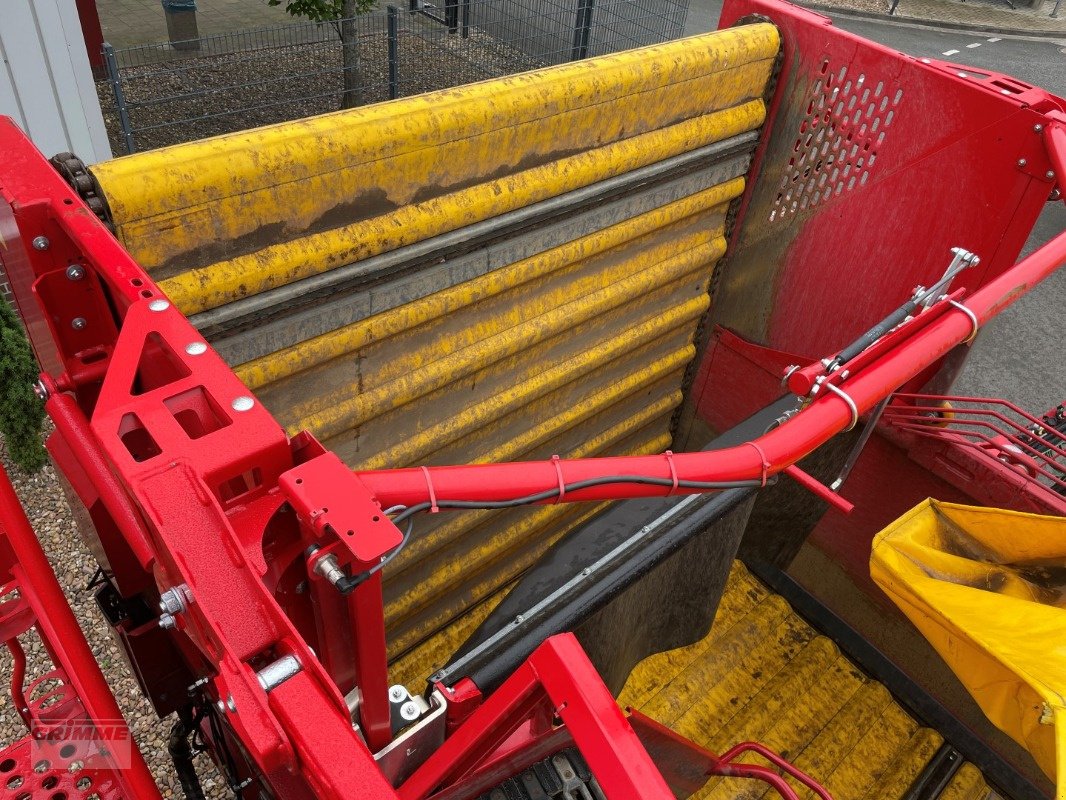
(51, 518)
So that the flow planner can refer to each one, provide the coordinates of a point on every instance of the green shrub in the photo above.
(21, 411)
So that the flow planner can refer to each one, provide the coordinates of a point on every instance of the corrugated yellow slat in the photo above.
(763, 674)
(837, 738)
(349, 339)
(919, 750)
(204, 288)
(968, 784)
(262, 187)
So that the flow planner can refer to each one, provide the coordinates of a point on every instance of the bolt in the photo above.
(1038, 128)
(40, 390)
(41, 243)
(586, 571)
(78, 323)
(519, 620)
(232, 706)
(75, 272)
(195, 348)
(1022, 162)
(1049, 174)
(242, 403)
(159, 305)
(409, 711)
(397, 693)
(167, 621)
(175, 600)
(221, 707)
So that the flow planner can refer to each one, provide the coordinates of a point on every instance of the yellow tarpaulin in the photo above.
(988, 589)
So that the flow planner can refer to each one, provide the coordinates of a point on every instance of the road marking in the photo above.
(994, 39)
(950, 52)
(975, 44)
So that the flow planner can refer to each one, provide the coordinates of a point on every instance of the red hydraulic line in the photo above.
(767, 455)
(58, 626)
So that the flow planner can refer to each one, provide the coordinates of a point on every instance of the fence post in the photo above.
(393, 20)
(115, 80)
(582, 30)
(466, 18)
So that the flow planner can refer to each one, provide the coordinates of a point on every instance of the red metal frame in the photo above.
(984, 447)
(557, 681)
(77, 739)
(190, 482)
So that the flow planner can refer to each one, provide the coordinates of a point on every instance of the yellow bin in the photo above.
(988, 589)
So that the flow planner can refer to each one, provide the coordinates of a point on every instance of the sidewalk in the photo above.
(984, 15)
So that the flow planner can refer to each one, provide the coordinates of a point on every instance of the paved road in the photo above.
(1020, 356)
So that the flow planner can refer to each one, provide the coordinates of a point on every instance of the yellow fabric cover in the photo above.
(987, 588)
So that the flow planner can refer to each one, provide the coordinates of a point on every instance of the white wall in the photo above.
(45, 81)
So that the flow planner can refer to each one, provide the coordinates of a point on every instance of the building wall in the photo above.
(45, 81)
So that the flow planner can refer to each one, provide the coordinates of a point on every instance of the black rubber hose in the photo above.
(181, 753)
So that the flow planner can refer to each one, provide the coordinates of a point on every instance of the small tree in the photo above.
(21, 411)
(340, 13)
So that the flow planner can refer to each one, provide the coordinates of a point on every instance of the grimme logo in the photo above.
(107, 743)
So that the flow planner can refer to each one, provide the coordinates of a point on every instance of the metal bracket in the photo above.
(408, 751)
(334, 504)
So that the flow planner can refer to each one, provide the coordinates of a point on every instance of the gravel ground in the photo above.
(189, 98)
(51, 518)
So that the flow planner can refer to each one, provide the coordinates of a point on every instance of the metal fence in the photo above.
(161, 94)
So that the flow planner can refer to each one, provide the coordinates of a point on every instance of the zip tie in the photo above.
(973, 319)
(673, 471)
(433, 508)
(847, 399)
(562, 484)
(765, 463)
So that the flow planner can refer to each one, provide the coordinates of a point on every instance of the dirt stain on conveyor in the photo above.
(365, 205)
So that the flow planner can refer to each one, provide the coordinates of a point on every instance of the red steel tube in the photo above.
(769, 454)
(59, 627)
(728, 759)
